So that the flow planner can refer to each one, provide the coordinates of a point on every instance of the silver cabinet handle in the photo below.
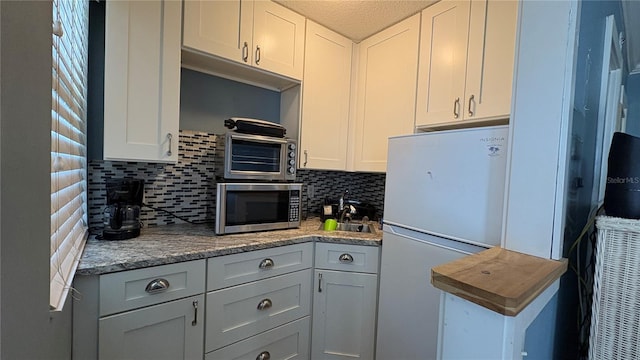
(345, 258)
(195, 313)
(456, 106)
(169, 137)
(471, 99)
(264, 356)
(157, 285)
(266, 264)
(245, 52)
(305, 158)
(320, 282)
(265, 304)
(257, 55)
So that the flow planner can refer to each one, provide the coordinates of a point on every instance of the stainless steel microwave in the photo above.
(246, 207)
(256, 157)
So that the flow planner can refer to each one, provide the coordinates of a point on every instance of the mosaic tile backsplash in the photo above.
(188, 188)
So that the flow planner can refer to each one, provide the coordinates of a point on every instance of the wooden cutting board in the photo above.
(499, 279)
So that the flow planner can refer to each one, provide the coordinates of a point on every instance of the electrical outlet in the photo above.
(311, 191)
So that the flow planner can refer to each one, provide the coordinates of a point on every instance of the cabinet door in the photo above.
(142, 80)
(173, 330)
(222, 28)
(278, 39)
(388, 64)
(491, 51)
(325, 99)
(344, 315)
(443, 56)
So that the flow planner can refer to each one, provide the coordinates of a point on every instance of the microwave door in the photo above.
(257, 207)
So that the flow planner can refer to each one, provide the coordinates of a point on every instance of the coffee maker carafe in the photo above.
(121, 217)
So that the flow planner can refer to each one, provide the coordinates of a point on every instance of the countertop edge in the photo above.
(312, 236)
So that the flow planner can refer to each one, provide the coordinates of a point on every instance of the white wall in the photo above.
(27, 329)
(541, 112)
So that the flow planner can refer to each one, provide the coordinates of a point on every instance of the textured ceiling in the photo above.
(356, 19)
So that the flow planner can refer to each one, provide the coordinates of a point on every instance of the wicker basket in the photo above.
(615, 318)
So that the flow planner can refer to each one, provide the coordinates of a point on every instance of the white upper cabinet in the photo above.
(443, 58)
(278, 39)
(490, 59)
(142, 80)
(259, 33)
(325, 99)
(466, 62)
(217, 27)
(386, 92)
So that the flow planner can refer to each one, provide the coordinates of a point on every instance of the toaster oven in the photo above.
(256, 157)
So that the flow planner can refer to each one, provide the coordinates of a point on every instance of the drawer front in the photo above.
(245, 310)
(347, 257)
(290, 341)
(230, 270)
(137, 288)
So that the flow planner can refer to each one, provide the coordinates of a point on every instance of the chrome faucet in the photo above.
(345, 210)
(342, 199)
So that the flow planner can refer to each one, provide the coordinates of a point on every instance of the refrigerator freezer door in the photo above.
(448, 183)
(408, 305)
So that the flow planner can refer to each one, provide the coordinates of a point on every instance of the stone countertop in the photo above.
(183, 242)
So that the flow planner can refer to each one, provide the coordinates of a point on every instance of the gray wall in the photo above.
(27, 329)
(206, 101)
(633, 104)
(581, 170)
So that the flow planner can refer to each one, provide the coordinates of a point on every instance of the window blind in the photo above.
(68, 144)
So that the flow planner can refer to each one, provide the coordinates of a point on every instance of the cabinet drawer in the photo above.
(245, 310)
(133, 289)
(347, 257)
(290, 341)
(225, 271)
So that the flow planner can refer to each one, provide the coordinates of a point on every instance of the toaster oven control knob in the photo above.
(292, 146)
(292, 170)
(292, 154)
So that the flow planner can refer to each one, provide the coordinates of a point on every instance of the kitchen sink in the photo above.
(354, 227)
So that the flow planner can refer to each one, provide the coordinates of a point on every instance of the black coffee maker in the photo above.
(121, 217)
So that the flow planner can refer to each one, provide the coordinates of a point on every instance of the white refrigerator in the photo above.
(443, 200)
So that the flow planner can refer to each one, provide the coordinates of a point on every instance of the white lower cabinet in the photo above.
(259, 304)
(344, 302)
(150, 313)
(171, 331)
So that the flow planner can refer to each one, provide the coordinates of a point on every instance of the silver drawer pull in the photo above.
(266, 264)
(265, 304)
(195, 313)
(156, 286)
(264, 356)
(346, 258)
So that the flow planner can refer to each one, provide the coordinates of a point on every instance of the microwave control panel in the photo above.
(294, 206)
